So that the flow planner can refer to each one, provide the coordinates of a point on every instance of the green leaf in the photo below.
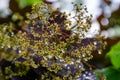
(114, 55)
(24, 3)
(108, 74)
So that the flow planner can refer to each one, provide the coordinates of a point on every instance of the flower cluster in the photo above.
(49, 47)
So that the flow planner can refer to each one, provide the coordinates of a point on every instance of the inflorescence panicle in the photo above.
(50, 46)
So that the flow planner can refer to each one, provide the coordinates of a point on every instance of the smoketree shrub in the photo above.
(49, 47)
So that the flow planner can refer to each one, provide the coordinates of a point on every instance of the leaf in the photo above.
(24, 3)
(108, 74)
(114, 55)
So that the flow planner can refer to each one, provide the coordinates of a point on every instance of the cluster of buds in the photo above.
(50, 46)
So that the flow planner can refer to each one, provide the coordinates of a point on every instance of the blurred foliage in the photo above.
(108, 73)
(24, 3)
(114, 55)
(115, 18)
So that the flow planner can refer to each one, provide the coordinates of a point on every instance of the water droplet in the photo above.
(99, 52)
(65, 65)
(86, 72)
(79, 66)
(61, 60)
(83, 55)
(95, 43)
(84, 75)
(89, 74)
(68, 67)
(19, 51)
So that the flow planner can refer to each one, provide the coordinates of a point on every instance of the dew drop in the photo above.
(89, 74)
(83, 55)
(95, 43)
(86, 72)
(65, 65)
(79, 66)
(84, 75)
(68, 67)
(19, 51)
(61, 60)
(99, 52)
